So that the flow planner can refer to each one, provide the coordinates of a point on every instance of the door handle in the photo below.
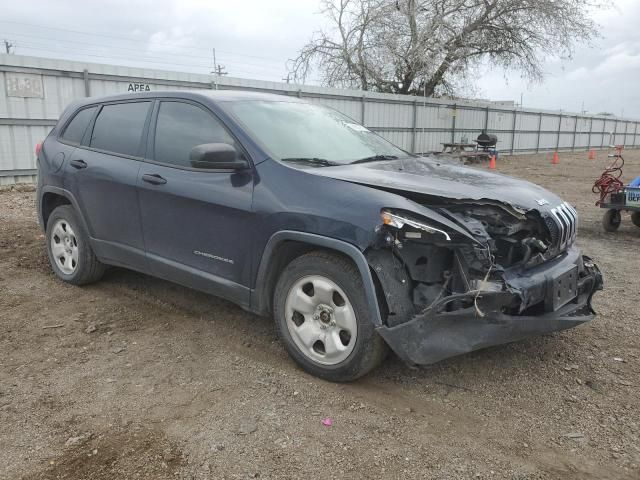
(153, 179)
(78, 164)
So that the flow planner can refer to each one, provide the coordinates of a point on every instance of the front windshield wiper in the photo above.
(323, 162)
(375, 158)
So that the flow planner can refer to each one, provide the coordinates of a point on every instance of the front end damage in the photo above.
(474, 275)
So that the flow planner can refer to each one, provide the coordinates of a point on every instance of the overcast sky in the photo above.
(254, 39)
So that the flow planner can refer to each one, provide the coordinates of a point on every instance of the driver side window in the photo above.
(182, 126)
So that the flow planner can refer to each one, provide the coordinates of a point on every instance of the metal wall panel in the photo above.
(18, 144)
(598, 125)
(527, 121)
(566, 140)
(597, 140)
(13, 179)
(550, 123)
(500, 121)
(526, 141)
(434, 117)
(388, 115)
(470, 119)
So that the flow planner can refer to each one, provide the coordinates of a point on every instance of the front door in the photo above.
(196, 223)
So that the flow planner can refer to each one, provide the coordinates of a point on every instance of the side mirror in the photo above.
(216, 156)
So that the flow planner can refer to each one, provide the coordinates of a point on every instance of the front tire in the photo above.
(70, 252)
(635, 218)
(322, 318)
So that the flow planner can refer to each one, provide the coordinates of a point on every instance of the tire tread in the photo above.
(90, 268)
(368, 355)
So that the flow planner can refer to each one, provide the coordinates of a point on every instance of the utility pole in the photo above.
(288, 79)
(218, 69)
(8, 46)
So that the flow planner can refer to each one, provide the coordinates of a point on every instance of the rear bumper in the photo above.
(432, 336)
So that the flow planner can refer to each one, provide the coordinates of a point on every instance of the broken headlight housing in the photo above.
(399, 221)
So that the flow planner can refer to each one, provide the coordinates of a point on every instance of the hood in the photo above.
(434, 177)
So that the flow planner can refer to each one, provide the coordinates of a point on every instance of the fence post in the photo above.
(539, 133)
(604, 127)
(486, 120)
(362, 109)
(575, 134)
(453, 123)
(590, 130)
(559, 131)
(414, 126)
(85, 76)
(626, 129)
(635, 133)
(513, 131)
(615, 133)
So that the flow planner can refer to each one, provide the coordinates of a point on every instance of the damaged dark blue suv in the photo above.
(294, 210)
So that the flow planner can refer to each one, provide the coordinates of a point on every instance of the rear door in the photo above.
(102, 174)
(197, 223)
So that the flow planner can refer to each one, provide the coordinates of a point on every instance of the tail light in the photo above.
(38, 148)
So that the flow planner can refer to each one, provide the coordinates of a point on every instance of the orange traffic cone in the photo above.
(556, 158)
(592, 154)
(492, 162)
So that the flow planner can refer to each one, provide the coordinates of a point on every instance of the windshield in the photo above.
(302, 131)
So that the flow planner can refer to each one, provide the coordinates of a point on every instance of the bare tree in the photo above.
(418, 46)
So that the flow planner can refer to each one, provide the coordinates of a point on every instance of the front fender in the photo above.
(260, 294)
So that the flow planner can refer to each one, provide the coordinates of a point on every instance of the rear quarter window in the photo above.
(76, 128)
(119, 128)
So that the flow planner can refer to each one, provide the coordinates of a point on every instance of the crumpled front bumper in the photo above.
(431, 336)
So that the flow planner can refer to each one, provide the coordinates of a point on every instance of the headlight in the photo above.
(399, 221)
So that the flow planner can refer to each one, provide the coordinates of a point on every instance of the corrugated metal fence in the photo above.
(34, 91)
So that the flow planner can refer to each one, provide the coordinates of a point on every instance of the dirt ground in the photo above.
(140, 378)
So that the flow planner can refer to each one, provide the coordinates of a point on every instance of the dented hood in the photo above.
(434, 177)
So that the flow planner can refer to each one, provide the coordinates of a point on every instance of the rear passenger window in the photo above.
(118, 127)
(182, 126)
(76, 128)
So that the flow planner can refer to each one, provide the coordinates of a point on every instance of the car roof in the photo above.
(211, 95)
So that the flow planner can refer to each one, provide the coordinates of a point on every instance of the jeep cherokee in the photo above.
(294, 210)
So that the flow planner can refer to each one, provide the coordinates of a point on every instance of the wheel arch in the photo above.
(53, 197)
(284, 246)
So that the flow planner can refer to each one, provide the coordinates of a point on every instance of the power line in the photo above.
(137, 50)
(36, 46)
(129, 59)
(159, 56)
(130, 39)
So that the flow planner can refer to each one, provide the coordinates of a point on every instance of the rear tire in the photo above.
(635, 218)
(611, 220)
(69, 249)
(323, 318)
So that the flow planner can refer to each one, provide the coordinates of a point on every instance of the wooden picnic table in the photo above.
(458, 147)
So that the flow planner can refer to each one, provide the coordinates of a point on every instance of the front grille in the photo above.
(554, 230)
(565, 218)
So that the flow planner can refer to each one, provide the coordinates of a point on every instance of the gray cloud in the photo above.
(601, 76)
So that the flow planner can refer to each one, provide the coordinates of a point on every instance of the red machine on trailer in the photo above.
(615, 196)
